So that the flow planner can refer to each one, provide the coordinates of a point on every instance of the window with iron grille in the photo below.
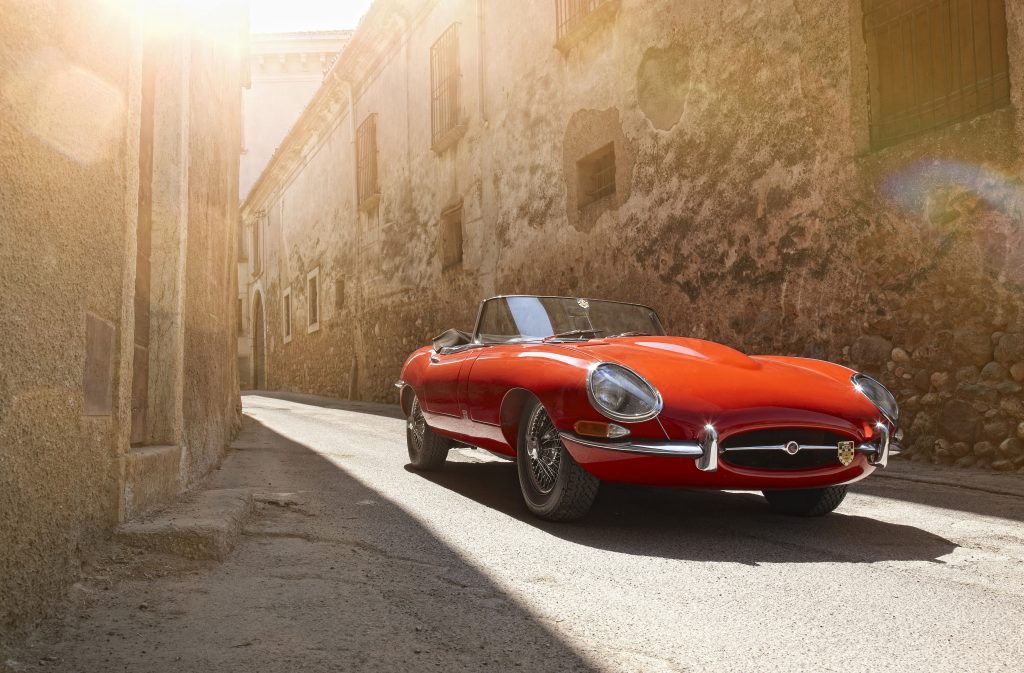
(596, 174)
(286, 311)
(339, 293)
(257, 246)
(313, 300)
(933, 63)
(451, 237)
(444, 84)
(366, 160)
(571, 14)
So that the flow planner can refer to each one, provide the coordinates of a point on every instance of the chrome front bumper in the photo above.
(707, 450)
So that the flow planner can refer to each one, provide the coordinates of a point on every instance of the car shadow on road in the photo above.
(696, 525)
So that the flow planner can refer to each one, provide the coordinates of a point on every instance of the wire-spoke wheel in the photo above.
(427, 450)
(554, 486)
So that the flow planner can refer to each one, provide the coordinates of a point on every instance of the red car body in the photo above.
(475, 395)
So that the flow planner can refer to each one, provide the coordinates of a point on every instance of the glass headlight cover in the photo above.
(621, 394)
(879, 395)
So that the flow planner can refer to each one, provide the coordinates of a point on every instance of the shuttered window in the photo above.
(570, 14)
(445, 79)
(933, 63)
(366, 160)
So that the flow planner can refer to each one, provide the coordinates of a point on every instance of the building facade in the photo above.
(830, 180)
(286, 69)
(120, 128)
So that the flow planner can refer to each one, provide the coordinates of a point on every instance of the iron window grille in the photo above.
(257, 246)
(451, 237)
(366, 160)
(597, 175)
(445, 79)
(313, 300)
(286, 309)
(570, 14)
(932, 63)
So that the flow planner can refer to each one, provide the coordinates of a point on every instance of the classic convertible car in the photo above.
(580, 391)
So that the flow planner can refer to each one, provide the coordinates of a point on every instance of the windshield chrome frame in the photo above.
(480, 312)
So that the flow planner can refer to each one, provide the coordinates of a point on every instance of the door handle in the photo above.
(434, 358)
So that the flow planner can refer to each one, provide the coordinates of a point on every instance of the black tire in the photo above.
(427, 450)
(554, 486)
(806, 502)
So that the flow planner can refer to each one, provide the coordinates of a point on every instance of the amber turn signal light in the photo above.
(599, 429)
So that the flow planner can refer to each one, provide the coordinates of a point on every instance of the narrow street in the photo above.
(354, 563)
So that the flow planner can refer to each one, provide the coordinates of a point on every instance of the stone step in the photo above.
(206, 525)
(152, 479)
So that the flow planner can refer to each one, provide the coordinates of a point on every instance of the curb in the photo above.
(952, 483)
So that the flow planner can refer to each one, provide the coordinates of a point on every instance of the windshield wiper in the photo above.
(573, 333)
(627, 334)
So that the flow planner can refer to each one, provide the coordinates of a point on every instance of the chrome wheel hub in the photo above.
(417, 426)
(543, 450)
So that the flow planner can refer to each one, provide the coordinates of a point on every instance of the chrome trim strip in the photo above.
(707, 450)
(708, 462)
(781, 447)
(882, 450)
(691, 449)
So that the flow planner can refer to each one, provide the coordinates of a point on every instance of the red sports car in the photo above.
(580, 391)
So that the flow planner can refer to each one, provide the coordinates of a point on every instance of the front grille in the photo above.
(805, 459)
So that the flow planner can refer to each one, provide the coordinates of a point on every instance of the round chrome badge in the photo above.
(792, 448)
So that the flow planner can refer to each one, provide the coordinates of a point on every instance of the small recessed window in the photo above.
(286, 313)
(339, 293)
(313, 299)
(451, 237)
(596, 175)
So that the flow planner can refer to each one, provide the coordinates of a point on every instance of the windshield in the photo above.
(514, 319)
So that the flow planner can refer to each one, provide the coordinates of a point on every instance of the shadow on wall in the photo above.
(707, 526)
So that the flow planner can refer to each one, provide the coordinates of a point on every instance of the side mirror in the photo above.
(450, 339)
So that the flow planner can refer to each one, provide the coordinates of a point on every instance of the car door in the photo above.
(442, 386)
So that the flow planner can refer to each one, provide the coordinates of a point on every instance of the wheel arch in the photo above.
(405, 397)
(515, 402)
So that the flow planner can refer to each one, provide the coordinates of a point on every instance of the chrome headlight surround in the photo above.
(608, 380)
(878, 395)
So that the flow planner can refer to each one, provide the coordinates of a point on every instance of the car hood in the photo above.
(705, 382)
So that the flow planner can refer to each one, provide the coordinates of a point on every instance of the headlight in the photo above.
(621, 394)
(879, 396)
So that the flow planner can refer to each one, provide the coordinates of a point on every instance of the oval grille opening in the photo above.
(805, 459)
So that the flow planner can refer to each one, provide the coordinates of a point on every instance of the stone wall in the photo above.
(70, 98)
(749, 206)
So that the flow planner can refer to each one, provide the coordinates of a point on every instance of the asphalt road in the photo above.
(356, 564)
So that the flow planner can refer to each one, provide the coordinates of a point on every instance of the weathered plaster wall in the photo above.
(67, 189)
(70, 92)
(210, 399)
(749, 208)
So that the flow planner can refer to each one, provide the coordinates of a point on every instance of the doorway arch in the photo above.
(259, 344)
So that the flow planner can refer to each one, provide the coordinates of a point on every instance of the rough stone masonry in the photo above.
(760, 196)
